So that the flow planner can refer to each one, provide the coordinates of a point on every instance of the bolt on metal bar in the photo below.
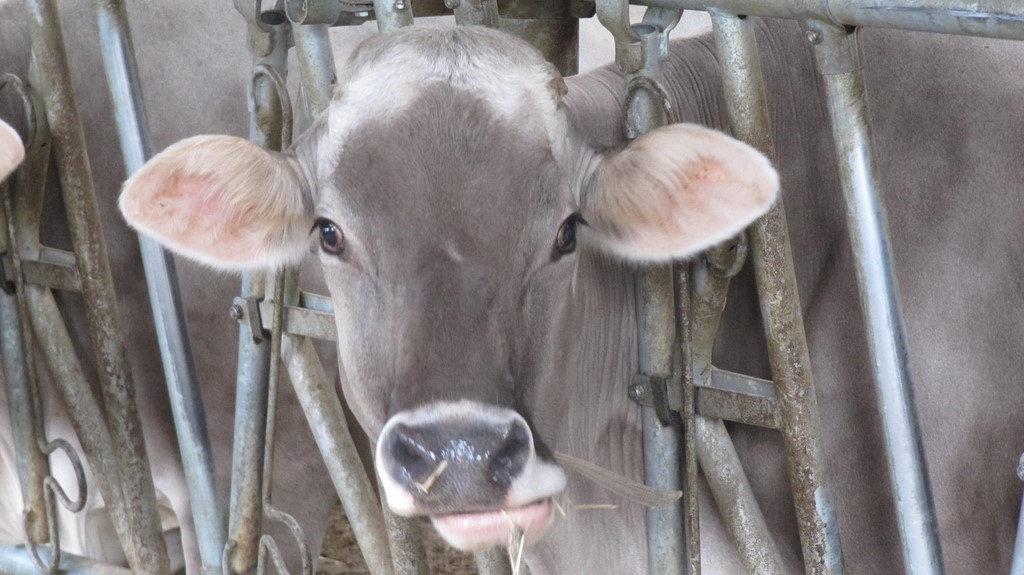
(16, 561)
(165, 298)
(985, 18)
(1017, 567)
(837, 60)
(747, 110)
(144, 547)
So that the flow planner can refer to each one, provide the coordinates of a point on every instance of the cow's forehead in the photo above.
(388, 72)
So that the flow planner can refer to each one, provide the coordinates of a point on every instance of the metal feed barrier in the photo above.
(679, 307)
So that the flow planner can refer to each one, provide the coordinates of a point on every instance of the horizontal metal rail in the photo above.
(986, 18)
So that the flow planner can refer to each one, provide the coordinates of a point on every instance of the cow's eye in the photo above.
(332, 240)
(565, 241)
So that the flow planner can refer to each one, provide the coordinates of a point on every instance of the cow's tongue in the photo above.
(470, 531)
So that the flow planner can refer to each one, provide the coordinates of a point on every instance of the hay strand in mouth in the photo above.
(625, 488)
(586, 506)
(516, 542)
(424, 487)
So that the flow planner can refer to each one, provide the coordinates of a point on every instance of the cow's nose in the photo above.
(468, 451)
(457, 457)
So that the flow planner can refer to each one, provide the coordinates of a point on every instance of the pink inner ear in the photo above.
(189, 211)
(677, 191)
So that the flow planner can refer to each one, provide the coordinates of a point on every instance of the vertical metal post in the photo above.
(655, 302)
(253, 376)
(838, 62)
(747, 109)
(165, 298)
(145, 547)
(687, 371)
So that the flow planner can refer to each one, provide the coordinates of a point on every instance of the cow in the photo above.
(478, 231)
(939, 147)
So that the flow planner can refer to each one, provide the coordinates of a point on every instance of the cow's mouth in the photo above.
(481, 530)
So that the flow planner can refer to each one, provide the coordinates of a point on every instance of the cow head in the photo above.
(448, 195)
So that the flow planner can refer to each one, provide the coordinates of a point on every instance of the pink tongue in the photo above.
(470, 531)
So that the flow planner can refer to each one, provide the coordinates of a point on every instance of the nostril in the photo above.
(508, 461)
(410, 454)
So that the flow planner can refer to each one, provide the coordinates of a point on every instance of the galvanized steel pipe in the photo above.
(747, 110)
(164, 295)
(144, 547)
(718, 459)
(253, 375)
(838, 61)
(986, 18)
(327, 420)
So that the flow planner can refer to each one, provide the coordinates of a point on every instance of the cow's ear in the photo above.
(222, 201)
(676, 191)
(11, 150)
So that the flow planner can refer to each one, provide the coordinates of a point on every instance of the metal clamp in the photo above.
(655, 391)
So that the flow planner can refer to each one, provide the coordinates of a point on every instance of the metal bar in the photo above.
(1017, 567)
(731, 406)
(327, 420)
(729, 485)
(16, 560)
(691, 467)
(747, 110)
(164, 296)
(22, 388)
(405, 539)
(655, 296)
(83, 408)
(246, 505)
(144, 547)
(302, 321)
(392, 14)
(986, 18)
(837, 60)
(252, 379)
(735, 500)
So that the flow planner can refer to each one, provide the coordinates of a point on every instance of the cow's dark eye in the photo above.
(565, 241)
(332, 240)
